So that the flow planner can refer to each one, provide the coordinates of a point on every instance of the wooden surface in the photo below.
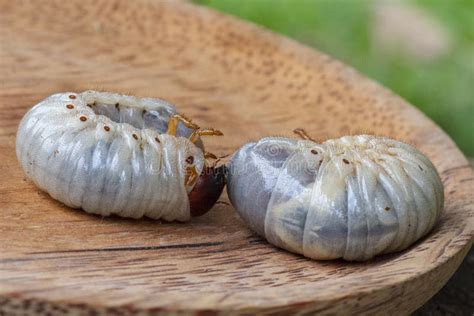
(225, 74)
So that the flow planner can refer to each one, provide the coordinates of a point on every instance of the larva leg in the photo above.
(216, 160)
(204, 132)
(191, 176)
(209, 155)
(174, 121)
(302, 133)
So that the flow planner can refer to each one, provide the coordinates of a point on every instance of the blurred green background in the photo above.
(421, 49)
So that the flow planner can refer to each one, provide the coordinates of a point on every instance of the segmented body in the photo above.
(352, 198)
(108, 154)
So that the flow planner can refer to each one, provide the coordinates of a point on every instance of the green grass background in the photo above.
(443, 89)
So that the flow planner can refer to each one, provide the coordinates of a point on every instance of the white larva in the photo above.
(112, 154)
(353, 197)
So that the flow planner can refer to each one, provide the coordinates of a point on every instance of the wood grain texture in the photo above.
(225, 74)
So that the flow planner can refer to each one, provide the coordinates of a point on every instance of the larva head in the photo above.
(207, 190)
(203, 183)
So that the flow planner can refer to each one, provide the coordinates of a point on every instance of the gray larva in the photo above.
(114, 154)
(353, 197)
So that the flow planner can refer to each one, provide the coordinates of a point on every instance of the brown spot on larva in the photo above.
(346, 161)
(387, 208)
(314, 151)
(83, 118)
(320, 162)
(70, 106)
(117, 106)
(89, 105)
(190, 159)
(107, 128)
(143, 112)
(72, 96)
(420, 167)
(157, 140)
(135, 136)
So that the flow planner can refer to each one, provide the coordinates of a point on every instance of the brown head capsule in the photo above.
(207, 190)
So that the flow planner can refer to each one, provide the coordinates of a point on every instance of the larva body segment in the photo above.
(109, 154)
(353, 197)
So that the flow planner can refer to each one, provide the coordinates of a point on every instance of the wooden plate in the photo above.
(225, 74)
